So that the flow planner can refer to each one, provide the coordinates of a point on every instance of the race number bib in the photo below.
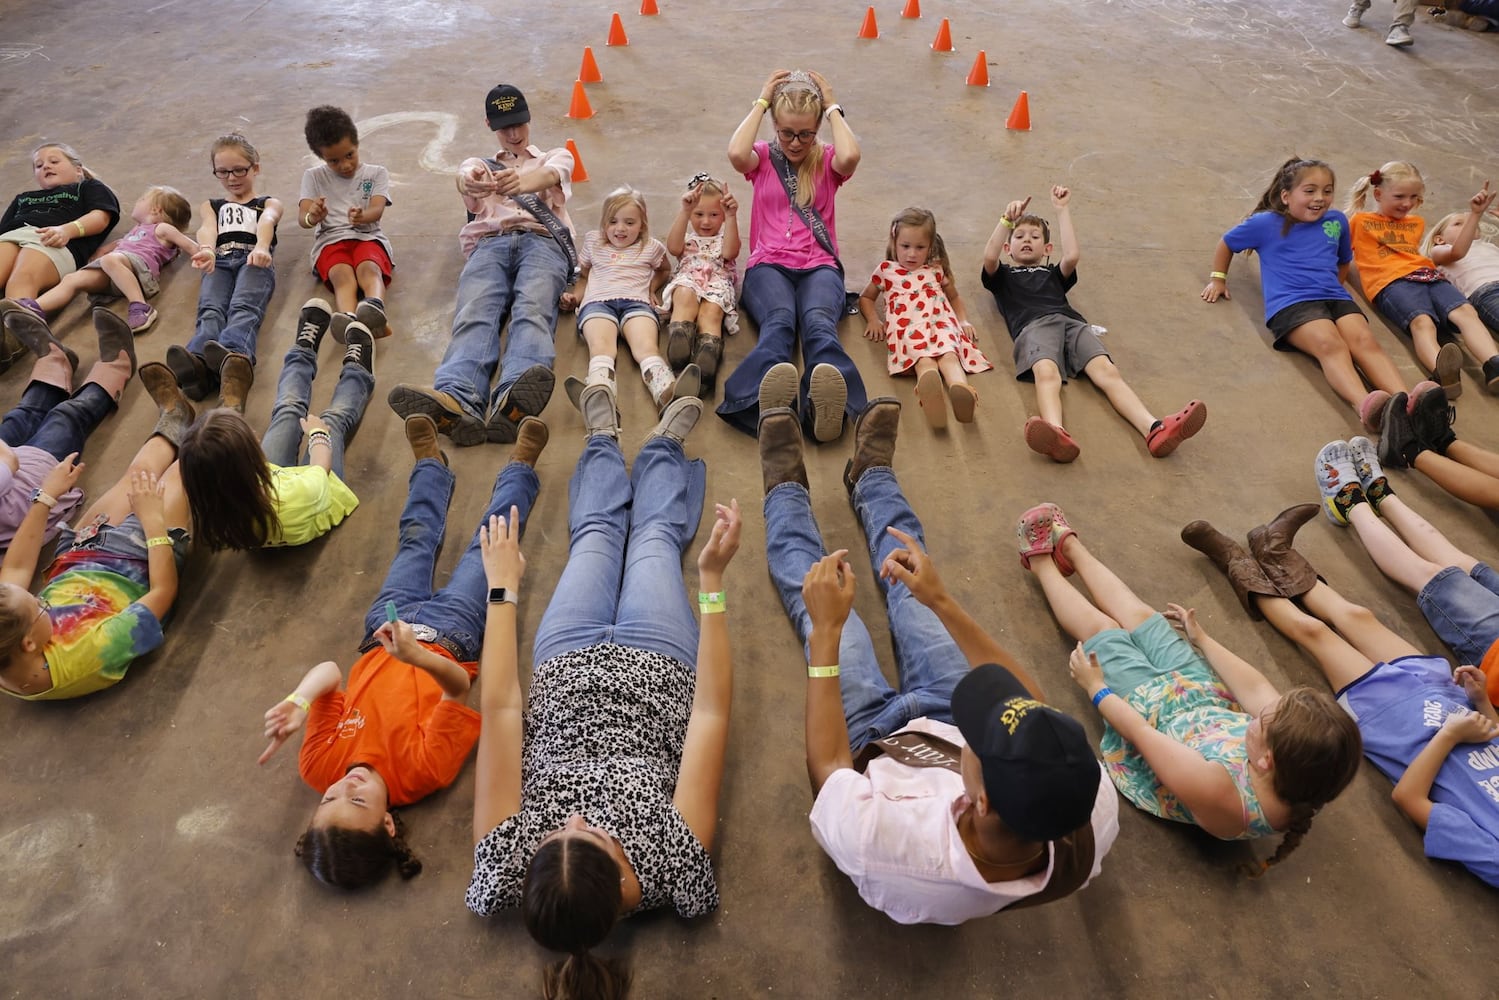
(240, 219)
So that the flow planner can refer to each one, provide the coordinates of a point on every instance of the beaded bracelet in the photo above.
(319, 436)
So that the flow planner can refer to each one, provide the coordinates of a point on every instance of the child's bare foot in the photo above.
(964, 400)
(931, 399)
(1048, 439)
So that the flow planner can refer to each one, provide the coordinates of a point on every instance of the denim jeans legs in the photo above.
(231, 304)
(50, 419)
(623, 580)
(457, 611)
(282, 443)
(521, 274)
(928, 662)
(1463, 609)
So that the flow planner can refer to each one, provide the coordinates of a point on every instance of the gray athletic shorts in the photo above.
(1071, 343)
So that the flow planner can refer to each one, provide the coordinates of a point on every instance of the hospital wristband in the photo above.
(298, 701)
(81, 230)
(715, 603)
(1005, 221)
(1220, 275)
(1100, 695)
(763, 103)
(159, 540)
(830, 670)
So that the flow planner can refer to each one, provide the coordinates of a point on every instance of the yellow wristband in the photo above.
(152, 543)
(81, 230)
(764, 104)
(1005, 221)
(715, 603)
(829, 671)
(1220, 275)
(298, 701)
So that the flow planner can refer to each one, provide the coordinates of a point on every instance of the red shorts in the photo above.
(353, 253)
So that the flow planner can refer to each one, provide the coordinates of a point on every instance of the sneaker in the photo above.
(1048, 439)
(372, 314)
(526, 397)
(596, 403)
(1371, 410)
(1338, 481)
(338, 324)
(1176, 428)
(1397, 439)
(1431, 422)
(421, 434)
(1399, 35)
(190, 371)
(1371, 477)
(316, 315)
(678, 419)
(445, 412)
(1491, 374)
(1354, 18)
(1449, 370)
(141, 317)
(827, 395)
(1035, 534)
(359, 347)
(778, 389)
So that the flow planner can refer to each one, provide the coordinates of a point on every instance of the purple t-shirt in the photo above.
(142, 242)
(777, 233)
(16, 489)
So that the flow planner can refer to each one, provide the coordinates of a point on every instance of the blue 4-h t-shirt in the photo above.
(1302, 265)
(1399, 706)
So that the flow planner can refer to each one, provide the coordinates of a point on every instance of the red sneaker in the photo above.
(1177, 428)
(1050, 440)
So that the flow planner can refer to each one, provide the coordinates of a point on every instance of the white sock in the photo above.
(600, 368)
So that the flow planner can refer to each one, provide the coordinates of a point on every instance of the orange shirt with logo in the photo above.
(1386, 249)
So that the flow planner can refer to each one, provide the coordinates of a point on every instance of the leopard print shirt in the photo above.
(604, 732)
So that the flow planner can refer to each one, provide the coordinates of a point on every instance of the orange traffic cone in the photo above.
(579, 174)
(580, 107)
(617, 32)
(979, 75)
(1020, 114)
(869, 29)
(913, 9)
(649, 7)
(944, 38)
(589, 72)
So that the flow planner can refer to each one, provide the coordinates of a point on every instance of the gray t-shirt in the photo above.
(343, 194)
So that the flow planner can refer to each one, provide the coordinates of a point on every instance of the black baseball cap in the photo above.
(1039, 771)
(505, 106)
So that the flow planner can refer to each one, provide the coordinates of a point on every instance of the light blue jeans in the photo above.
(927, 659)
(623, 580)
(519, 273)
(282, 443)
(231, 304)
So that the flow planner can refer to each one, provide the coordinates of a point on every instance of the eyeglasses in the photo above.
(222, 172)
(42, 606)
(787, 136)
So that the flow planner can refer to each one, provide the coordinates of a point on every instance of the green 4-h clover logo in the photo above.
(1333, 228)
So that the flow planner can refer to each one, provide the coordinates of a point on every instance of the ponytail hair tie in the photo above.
(1376, 178)
(698, 179)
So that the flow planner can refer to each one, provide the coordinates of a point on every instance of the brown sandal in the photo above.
(964, 399)
(931, 398)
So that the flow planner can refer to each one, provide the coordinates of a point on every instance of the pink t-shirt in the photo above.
(619, 274)
(777, 233)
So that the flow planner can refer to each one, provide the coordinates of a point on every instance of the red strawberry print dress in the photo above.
(919, 321)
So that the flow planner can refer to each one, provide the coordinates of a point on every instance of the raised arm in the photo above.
(742, 155)
(501, 706)
(845, 144)
(1061, 200)
(1248, 686)
(1217, 287)
(290, 713)
(1458, 249)
(676, 236)
(1412, 793)
(19, 565)
(1001, 234)
(1205, 788)
(828, 592)
(701, 774)
(730, 225)
(146, 502)
(910, 565)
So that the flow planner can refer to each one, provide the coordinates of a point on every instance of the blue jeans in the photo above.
(1486, 299)
(282, 443)
(231, 304)
(623, 579)
(1463, 609)
(50, 419)
(519, 273)
(457, 611)
(926, 657)
(780, 301)
(1403, 300)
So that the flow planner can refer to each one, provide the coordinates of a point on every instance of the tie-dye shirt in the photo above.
(98, 629)
(1196, 711)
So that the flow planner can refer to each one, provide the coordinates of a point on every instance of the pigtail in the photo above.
(1300, 826)
(408, 865)
(354, 859)
(1359, 193)
(585, 976)
(939, 250)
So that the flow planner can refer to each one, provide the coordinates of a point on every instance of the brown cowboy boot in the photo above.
(780, 438)
(874, 438)
(1243, 572)
(421, 434)
(530, 438)
(236, 376)
(1287, 570)
(177, 413)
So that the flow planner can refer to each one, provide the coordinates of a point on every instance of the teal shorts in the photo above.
(1129, 659)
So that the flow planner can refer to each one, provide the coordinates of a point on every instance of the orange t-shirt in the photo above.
(1386, 250)
(392, 717)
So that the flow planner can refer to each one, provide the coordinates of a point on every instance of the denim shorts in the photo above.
(126, 539)
(1402, 300)
(1130, 659)
(619, 310)
(1463, 609)
(1065, 340)
(1298, 314)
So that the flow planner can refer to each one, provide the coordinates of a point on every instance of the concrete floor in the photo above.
(142, 853)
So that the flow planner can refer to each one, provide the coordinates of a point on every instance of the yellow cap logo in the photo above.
(1016, 709)
(503, 104)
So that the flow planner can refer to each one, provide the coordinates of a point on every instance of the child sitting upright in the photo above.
(703, 296)
(131, 266)
(1052, 340)
(925, 325)
(342, 200)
